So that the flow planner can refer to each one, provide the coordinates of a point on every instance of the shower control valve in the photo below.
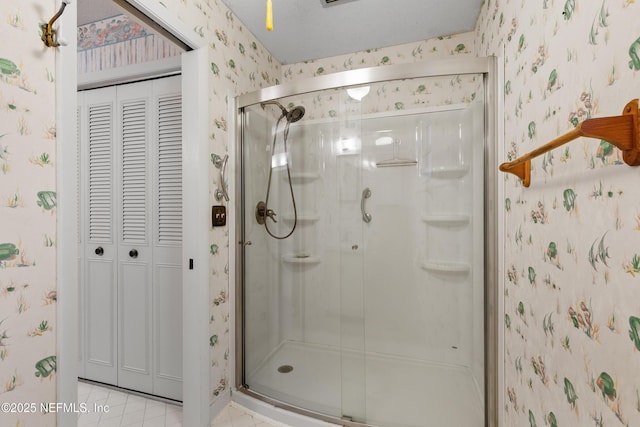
(262, 213)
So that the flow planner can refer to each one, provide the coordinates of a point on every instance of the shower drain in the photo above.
(285, 369)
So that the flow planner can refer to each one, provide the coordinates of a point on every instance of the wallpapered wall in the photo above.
(572, 319)
(119, 41)
(27, 213)
(425, 50)
(27, 190)
(572, 297)
(238, 64)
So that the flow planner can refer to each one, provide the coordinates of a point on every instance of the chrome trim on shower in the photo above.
(300, 411)
(494, 193)
(363, 76)
(366, 193)
(492, 70)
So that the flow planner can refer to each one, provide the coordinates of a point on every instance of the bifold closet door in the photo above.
(98, 305)
(135, 309)
(132, 292)
(166, 205)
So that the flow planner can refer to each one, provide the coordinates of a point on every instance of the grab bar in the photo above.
(366, 193)
(221, 163)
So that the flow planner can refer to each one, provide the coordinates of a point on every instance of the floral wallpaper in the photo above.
(572, 257)
(118, 41)
(115, 29)
(424, 50)
(238, 64)
(28, 213)
(572, 322)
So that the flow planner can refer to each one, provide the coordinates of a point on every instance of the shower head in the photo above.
(295, 114)
(292, 116)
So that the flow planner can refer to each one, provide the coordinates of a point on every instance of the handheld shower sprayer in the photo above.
(262, 208)
(292, 116)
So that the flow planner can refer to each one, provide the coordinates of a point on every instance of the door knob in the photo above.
(99, 251)
(133, 253)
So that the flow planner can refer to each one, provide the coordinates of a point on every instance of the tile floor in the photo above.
(130, 410)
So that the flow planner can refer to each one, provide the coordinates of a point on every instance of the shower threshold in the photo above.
(397, 392)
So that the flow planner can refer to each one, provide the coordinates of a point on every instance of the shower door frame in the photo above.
(493, 80)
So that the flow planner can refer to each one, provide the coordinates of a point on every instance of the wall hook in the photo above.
(48, 33)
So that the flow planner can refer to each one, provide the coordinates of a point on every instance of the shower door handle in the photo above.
(366, 193)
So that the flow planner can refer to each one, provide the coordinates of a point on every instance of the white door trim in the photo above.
(196, 389)
(67, 207)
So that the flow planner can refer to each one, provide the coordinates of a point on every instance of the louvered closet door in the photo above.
(135, 253)
(131, 308)
(167, 241)
(100, 251)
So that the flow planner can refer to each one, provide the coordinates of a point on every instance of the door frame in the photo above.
(195, 294)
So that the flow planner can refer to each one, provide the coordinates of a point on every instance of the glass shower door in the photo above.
(363, 290)
(349, 196)
(303, 308)
(422, 167)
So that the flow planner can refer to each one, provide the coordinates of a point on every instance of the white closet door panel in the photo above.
(135, 332)
(100, 327)
(133, 197)
(168, 331)
(99, 136)
(98, 289)
(169, 162)
(135, 254)
(167, 319)
(134, 167)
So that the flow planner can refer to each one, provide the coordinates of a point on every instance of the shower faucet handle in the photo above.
(271, 214)
(262, 213)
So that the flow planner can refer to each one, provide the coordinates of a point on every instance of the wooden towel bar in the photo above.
(621, 131)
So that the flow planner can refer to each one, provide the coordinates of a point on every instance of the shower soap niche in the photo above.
(447, 220)
(303, 217)
(453, 172)
(301, 259)
(445, 267)
(302, 177)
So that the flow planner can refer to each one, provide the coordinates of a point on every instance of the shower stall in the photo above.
(366, 266)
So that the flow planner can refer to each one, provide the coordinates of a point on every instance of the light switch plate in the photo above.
(218, 216)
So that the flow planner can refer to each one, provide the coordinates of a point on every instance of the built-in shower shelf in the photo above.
(447, 220)
(449, 172)
(301, 259)
(302, 177)
(445, 267)
(303, 218)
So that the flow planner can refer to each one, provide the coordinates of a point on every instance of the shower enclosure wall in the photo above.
(372, 311)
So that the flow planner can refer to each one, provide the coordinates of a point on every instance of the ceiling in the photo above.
(309, 29)
(95, 10)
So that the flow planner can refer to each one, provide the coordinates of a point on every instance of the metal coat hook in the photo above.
(48, 33)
